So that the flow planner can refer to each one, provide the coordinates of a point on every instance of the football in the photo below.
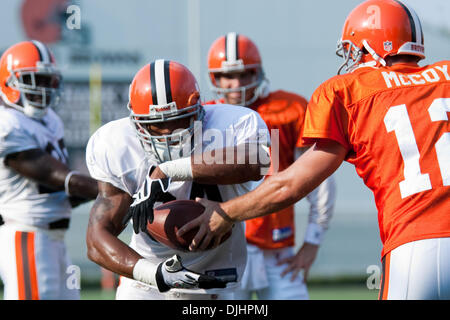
(170, 217)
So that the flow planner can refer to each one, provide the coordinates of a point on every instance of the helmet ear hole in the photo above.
(193, 98)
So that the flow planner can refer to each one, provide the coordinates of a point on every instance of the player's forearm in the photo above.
(82, 186)
(321, 210)
(225, 173)
(275, 193)
(41, 167)
(231, 165)
(104, 246)
(111, 253)
(287, 187)
(322, 200)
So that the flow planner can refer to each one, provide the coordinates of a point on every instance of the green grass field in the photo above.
(342, 292)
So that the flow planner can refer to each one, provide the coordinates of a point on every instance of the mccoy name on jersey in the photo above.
(115, 155)
(21, 199)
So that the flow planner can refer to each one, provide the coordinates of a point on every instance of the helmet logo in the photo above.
(387, 45)
(170, 108)
(374, 19)
(235, 65)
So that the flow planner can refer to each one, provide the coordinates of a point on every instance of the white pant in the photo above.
(130, 289)
(34, 263)
(418, 270)
(262, 276)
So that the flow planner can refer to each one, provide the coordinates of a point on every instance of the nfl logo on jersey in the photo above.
(387, 45)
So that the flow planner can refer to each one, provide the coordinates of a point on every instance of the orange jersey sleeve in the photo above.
(394, 123)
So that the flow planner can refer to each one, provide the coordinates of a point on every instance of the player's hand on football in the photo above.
(303, 260)
(213, 224)
(141, 210)
(172, 274)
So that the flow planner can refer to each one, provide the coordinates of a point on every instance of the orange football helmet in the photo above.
(376, 29)
(29, 79)
(165, 91)
(233, 53)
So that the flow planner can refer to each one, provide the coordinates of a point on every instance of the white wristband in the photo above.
(67, 180)
(178, 170)
(145, 271)
(314, 233)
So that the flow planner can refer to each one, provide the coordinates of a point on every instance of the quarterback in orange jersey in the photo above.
(389, 117)
(272, 271)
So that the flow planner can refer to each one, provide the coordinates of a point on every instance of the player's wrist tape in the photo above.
(67, 181)
(178, 170)
(314, 233)
(145, 271)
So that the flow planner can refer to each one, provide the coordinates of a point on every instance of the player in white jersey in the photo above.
(150, 150)
(37, 188)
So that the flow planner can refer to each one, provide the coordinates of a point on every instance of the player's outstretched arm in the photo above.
(41, 167)
(230, 165)
(275, 193)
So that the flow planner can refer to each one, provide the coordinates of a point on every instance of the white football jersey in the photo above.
(115, 155)
(21, 199)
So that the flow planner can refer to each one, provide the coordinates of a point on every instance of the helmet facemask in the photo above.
(350, 53)
(178, 143)
(39, 87)
(238, 66)
(354, 56)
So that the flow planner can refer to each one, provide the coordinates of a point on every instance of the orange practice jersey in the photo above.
(394, 122)
(285, 112)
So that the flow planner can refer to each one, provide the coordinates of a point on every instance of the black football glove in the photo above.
(141, 210)
(172, 274)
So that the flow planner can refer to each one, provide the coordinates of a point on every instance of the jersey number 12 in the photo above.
(397, 119)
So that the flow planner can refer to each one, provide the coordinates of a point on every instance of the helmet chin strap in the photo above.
(377, 60)
(372, 52)
(27, 109)
(34, 112)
